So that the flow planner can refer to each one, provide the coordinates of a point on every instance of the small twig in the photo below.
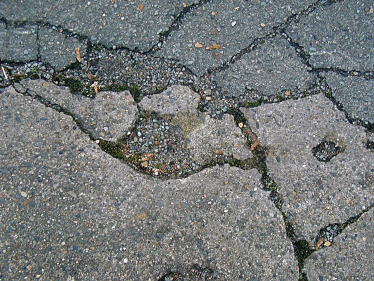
(4, 72)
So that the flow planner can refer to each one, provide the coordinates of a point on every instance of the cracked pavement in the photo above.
(195, 140)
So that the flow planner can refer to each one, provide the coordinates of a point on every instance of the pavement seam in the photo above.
(175, 25)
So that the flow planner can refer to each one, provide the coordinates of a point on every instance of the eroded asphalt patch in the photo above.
(187, 141)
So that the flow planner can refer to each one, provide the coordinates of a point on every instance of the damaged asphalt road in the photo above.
(196, 140)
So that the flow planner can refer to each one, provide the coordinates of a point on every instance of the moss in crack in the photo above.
(111, 148)
(301, 248)
(135, 91)
(18, 77)
(255, 103)
(250, 163)
(75, 86)
(75, 65)
(238, 116)
(302, 251)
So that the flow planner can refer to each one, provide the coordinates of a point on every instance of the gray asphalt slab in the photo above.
(196, 140)
(355, 95)
(344, 42)
(58, 49)
(112, 23)
(109, 116)
(91, 217)
(233, 26)
(352, 248)
(270, 69)
(18, 43)
(315, 193)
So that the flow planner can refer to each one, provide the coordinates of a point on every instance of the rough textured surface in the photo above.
(206, 137)
(232, 25)
(315, 193)
(59, 49)
(99, 211)
(354, 94)
(113, 23)
(215, 137)
(175, 99)
(350, 258)
(108, 116)
(269, 73)
(18, 44)
(344, 42)
(165, 212)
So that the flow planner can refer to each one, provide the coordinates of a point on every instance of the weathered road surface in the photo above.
(196, 140)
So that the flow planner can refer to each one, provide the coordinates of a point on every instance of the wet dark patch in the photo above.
(326, 150)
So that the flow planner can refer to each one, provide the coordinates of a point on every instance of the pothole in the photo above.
(326, 150)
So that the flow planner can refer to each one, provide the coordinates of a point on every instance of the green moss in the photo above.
(75, 65)
(74, 85)
(135, 91)
(157, 165)
(134, 159)
(238, 115)
(111, 148)
(302, 251)
(34, 71)
(252, 103)
(18, 77)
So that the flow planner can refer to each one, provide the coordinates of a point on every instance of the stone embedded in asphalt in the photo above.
(58, 49)
(349, 258)
(345, 42)
(18, 43)
(108, 116)
(213, 24)
(207, 138)
(314, 193)
(121, 223)
(271, 68)
(355, 94)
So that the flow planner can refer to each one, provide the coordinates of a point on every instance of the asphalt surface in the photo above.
(196, 140)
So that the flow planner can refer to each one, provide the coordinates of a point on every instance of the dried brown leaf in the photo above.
(218, 151)
(319, 243)
(140, 7)
(91, 76)
(96, 89)
(214, 46)
(148, 157)
(78, 54)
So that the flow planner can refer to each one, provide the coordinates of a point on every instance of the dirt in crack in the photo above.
(157, 147)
